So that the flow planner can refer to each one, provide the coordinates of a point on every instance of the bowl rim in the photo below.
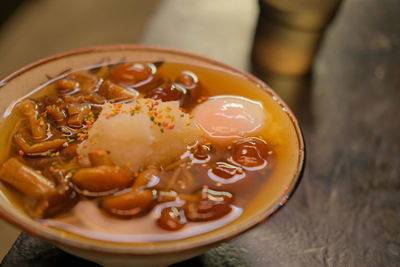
(125, 250)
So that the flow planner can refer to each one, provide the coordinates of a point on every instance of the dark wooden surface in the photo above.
(346, 211)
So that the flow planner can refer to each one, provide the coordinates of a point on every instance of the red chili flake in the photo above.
(171, 127)
(107, 117)
(165, 124)
(84, 146)
(156, 103)
(182, 184)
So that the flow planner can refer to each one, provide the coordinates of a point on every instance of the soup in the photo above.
(145, 151)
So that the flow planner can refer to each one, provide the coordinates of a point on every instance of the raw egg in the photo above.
(229, 117)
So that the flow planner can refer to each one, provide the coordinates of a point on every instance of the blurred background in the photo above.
(33, 29)
(335, 62)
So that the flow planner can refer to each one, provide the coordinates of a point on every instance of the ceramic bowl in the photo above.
(23, 81)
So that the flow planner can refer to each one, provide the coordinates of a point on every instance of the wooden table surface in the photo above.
(346, 211)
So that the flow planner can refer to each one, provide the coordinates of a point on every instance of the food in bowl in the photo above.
(145, 151)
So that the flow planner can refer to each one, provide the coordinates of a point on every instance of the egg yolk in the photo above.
(227, 118)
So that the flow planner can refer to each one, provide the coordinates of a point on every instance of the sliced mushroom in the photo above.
(58, 201)
(57, 115)
(101, 178)
(251, 152)
(132, 203)
(91, 98)
(172, 219)
(116, 93)
(65, 86)
(145, 177)
(87, 83)
(37, 125)
(99, 158)
(211, 205)
(141, 77)
(38, 148)
(103, 72)
(170, 92)
(70, 151)
(77, 114)
(25, 179)
(190, 81)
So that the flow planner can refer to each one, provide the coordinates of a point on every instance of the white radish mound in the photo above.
(141, 133)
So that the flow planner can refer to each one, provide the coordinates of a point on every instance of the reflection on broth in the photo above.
(144, 152)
